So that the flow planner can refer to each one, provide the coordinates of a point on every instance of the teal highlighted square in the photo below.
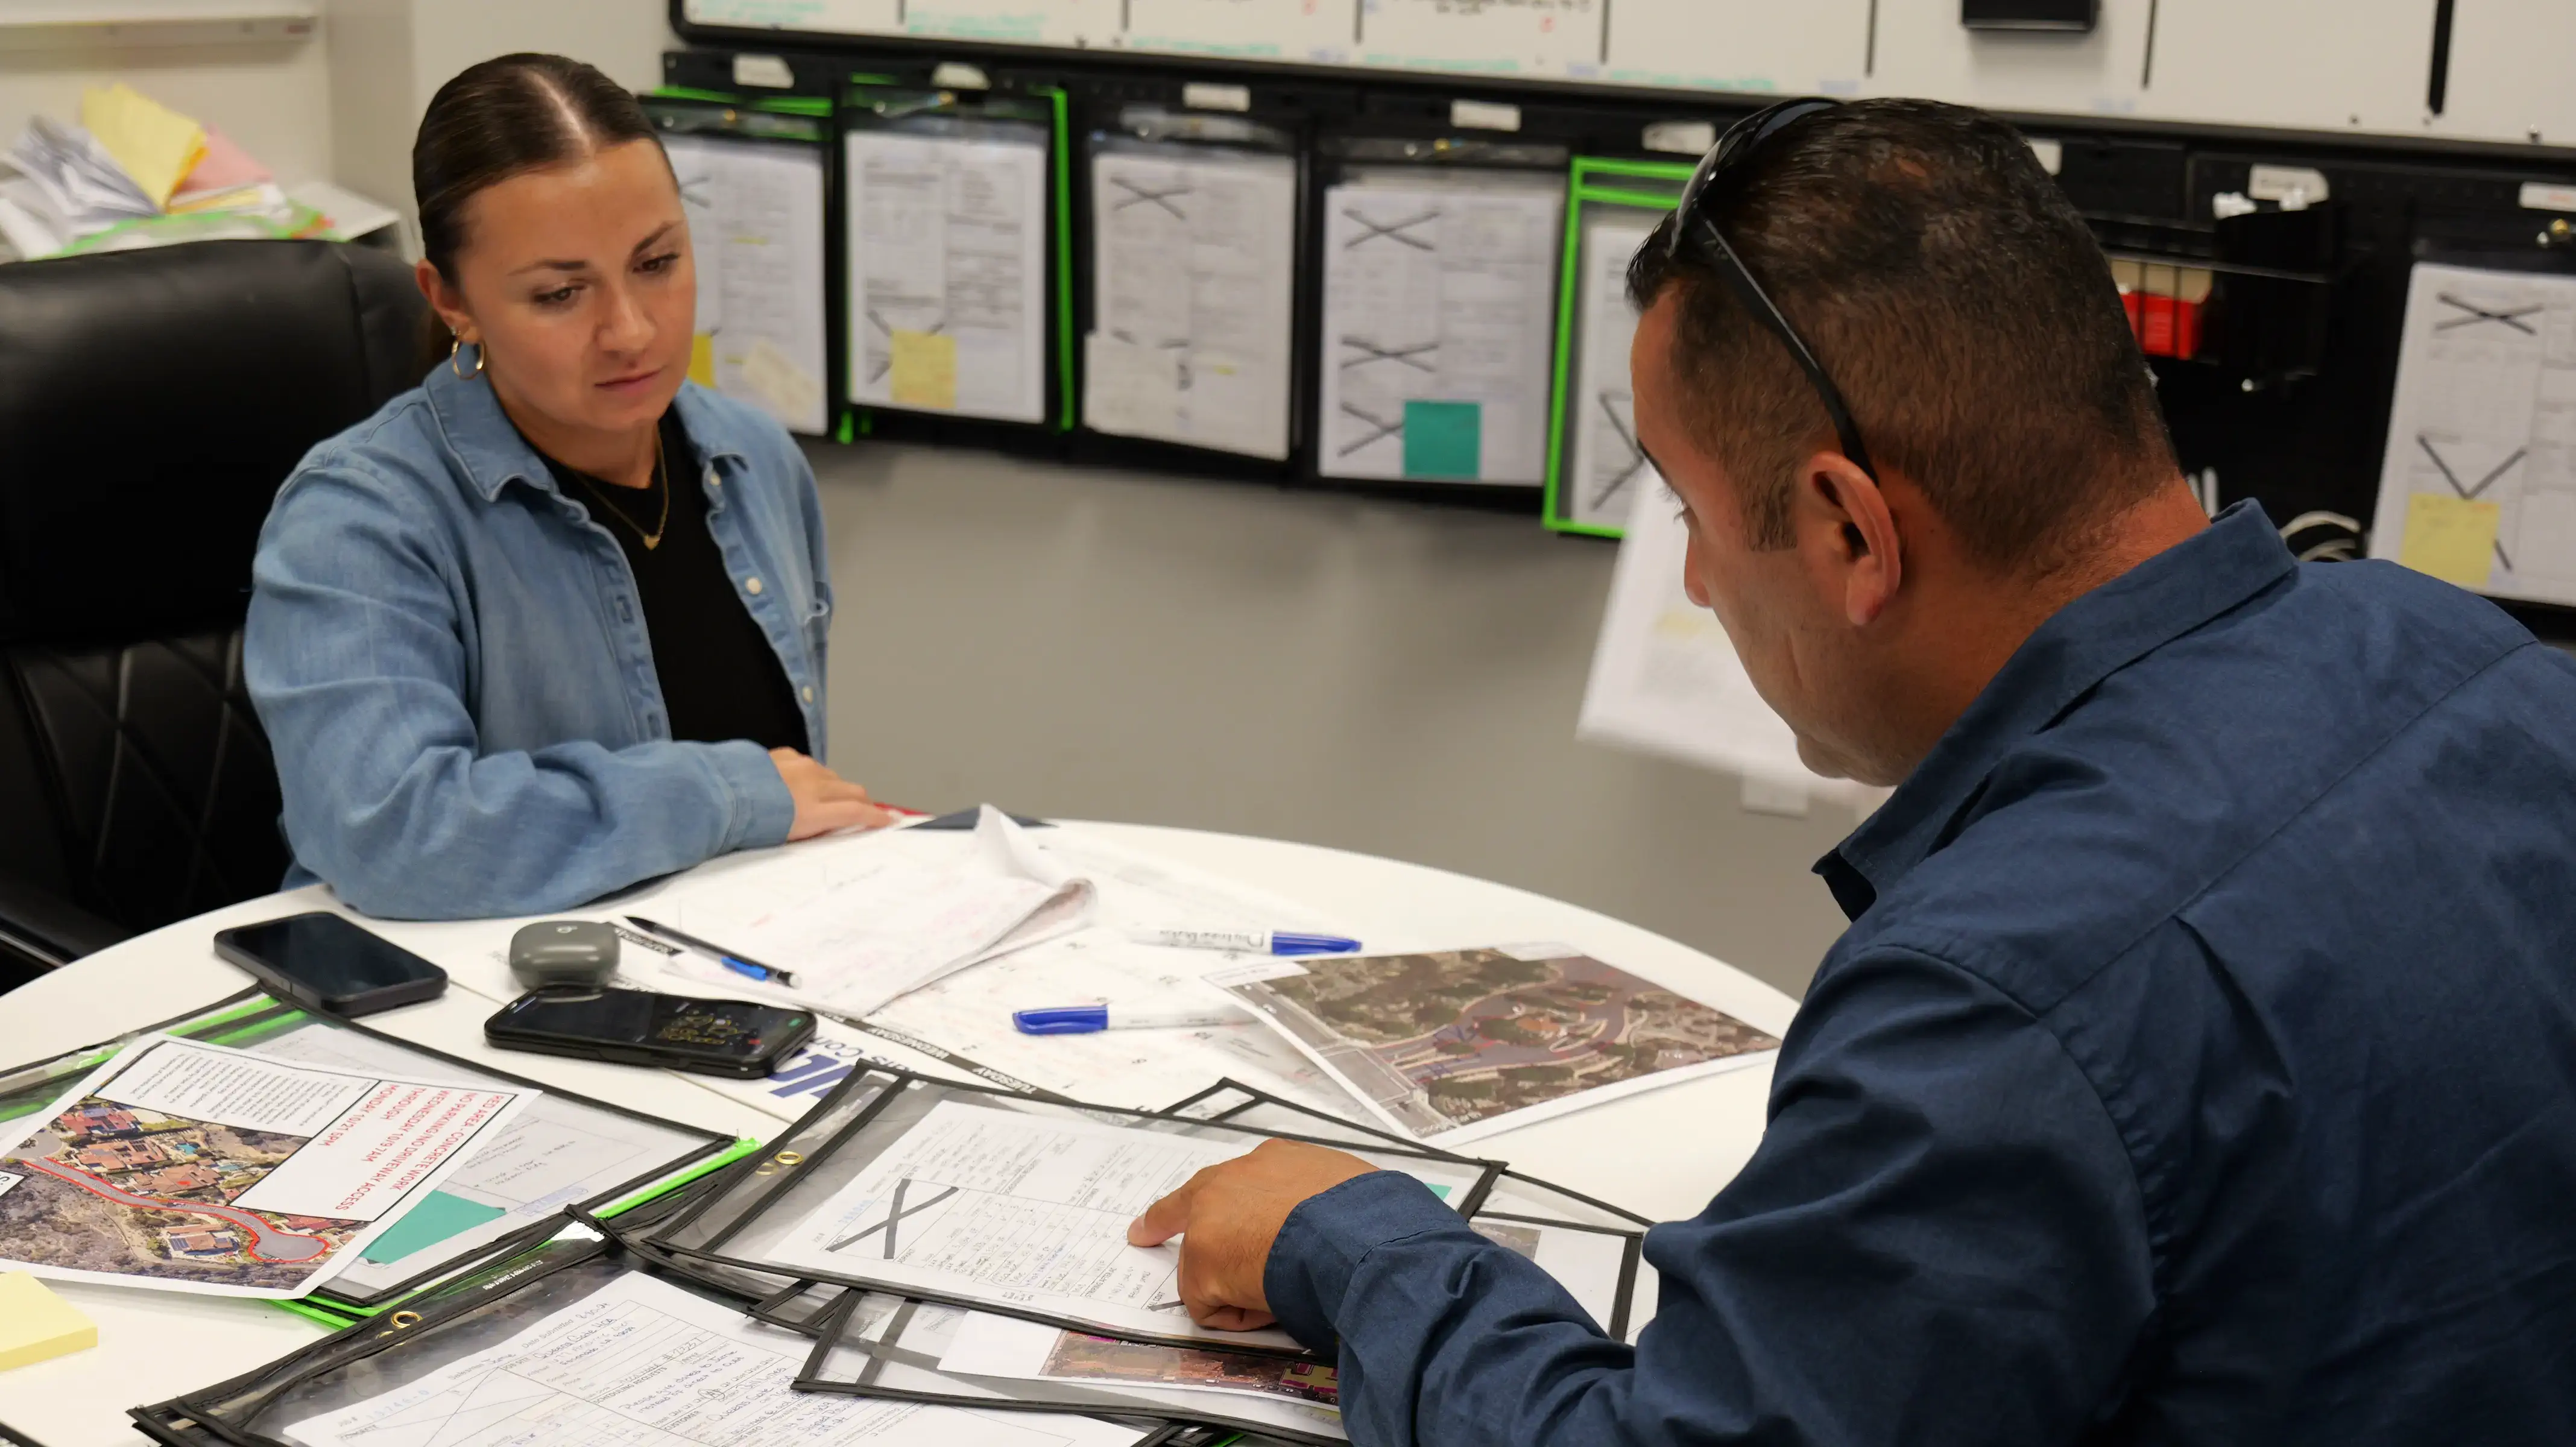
(1444, 439)
(438, 1217)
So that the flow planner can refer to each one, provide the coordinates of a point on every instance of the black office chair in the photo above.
(150, 404)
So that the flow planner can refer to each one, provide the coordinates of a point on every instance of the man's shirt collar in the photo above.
(2169, 595)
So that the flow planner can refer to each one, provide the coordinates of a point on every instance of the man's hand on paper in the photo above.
(1227, 1217)
(824, 800)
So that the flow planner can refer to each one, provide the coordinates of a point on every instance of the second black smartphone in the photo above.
(639, 1027)
(323, 962)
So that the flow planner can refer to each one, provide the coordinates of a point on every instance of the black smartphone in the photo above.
(321, 961)
(639, 1027)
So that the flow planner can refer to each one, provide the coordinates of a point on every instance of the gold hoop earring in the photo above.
(453, 343)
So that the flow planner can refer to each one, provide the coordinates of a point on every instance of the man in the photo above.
(2200, 1065)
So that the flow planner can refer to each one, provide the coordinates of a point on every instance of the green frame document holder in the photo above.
(773, 123)
(756, 1206)
(472, 1312)
(245, 1020)
(1039, 112)
(1588, 490)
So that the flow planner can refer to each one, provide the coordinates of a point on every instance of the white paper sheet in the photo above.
(1607, 467)
(1194, 270)
(863, 924)
(997, 1206)
(1665, 679)
(1509, 37)
(756, 221)
(1439, 296)
(969, 1012)
(947, 237)
(2485, 412)
(1270, 1391)
(277, 1174)
(641, 1363)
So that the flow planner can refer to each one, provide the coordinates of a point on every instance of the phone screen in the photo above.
(712, 1029)
(331, 957)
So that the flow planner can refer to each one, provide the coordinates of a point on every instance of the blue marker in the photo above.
(766, 974)
(1091, 1019)
(1249, 941)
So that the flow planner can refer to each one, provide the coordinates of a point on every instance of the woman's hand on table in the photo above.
(824, 800)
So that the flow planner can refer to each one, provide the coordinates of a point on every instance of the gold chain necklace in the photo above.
(661, 479)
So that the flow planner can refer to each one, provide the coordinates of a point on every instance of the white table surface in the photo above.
(1662, 1153)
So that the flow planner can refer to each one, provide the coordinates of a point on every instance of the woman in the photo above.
(553, 622)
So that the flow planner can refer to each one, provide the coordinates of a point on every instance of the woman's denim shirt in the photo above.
(450, 658)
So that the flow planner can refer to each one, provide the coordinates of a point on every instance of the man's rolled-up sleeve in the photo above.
(1941, 1238)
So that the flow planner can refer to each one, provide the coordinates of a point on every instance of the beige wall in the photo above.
(273, 96)
(388, 57)
(341, 103)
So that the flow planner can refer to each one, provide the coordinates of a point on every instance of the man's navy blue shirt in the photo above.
(2199, 1067)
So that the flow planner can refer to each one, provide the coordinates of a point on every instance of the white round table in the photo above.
(1662, 1153)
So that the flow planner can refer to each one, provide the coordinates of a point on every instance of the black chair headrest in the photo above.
(151, 402)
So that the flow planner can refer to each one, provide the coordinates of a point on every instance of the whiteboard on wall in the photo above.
(2325, 65)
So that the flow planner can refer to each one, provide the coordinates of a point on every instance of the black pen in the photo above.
(767, 974)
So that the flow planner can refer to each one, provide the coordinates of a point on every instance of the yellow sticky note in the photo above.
(925, 370)
(702, 359)
(36, 1325)
(2451, 538)
(156, 145)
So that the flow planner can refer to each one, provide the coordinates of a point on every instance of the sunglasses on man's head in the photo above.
(1691, 223)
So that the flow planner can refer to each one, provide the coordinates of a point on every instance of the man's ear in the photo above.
(1845, 526)
(444, 300)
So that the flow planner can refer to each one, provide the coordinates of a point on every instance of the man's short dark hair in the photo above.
(1956, 298)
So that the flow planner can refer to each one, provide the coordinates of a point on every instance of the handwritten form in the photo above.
(2479, 483)
(756, 224)
(1010, 1209)
(641, 1363)
(1193, 280)
(947, 272)
(1439, 322)
(1608, 466)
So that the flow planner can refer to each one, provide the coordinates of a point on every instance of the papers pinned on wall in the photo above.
(947, 268)
(2479, 482)
(755, 213)
(1439, 325)
(1609, 467)
(1665, 679)
(1194, 263)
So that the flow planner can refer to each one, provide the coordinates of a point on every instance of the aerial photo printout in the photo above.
(1457, 1043)
(198, 1168)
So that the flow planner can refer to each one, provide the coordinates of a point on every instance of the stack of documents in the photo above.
(865, 919)
(135, 173)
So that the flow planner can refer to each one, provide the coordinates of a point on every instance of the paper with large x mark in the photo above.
(2478, 486)
(1027, 1213)
(1438, 290)
(1607, 464)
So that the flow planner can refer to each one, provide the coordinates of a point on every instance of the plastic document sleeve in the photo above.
(998, 1202)
(561, 1150)
(577, 1340)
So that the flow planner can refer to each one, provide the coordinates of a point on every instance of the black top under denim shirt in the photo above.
(720, 678)
(2199, 1068)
